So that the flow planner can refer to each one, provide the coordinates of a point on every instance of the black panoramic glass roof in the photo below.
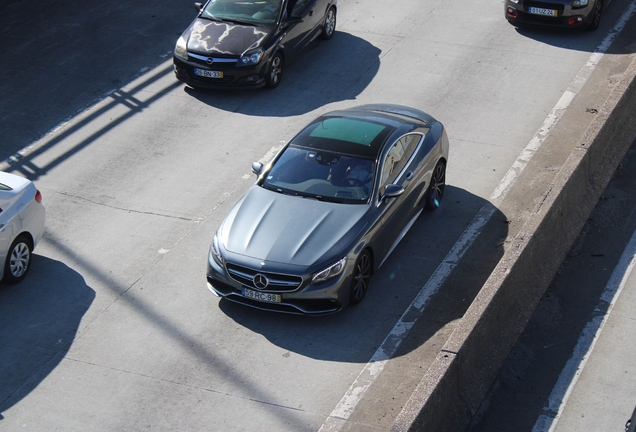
(344, 135)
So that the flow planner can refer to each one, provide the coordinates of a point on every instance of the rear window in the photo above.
(350, 130)
(347, 136)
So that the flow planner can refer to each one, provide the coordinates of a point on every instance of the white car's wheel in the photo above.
(18, 260)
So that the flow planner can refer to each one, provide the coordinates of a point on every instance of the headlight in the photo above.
(216, 250)
(579, 3)
(330, 272)
(251, 58)
(181, 48)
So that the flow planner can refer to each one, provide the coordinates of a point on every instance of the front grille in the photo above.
(277, 282)
(217, 62)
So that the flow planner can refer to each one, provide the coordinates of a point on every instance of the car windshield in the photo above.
(243, 11)
(324, 175)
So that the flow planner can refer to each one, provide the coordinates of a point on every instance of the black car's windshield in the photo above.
(243, 11)
(322, 175)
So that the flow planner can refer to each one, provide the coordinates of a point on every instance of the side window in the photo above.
(297, 6)
(400, 153)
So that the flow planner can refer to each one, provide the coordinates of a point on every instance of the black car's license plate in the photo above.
(208, 73)
(264, 297)
(542, 11)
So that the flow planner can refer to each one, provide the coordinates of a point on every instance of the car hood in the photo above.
(212, 37)
(270, 226)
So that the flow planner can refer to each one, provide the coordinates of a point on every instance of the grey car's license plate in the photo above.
(264, 297)
(542, 11)
(208, 73)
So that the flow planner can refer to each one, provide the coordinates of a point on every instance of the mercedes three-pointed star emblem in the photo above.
(260, 281)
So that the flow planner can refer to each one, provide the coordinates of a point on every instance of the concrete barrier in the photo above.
(453, 388)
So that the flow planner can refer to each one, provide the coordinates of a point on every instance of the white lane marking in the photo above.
(374, 367)
(587, 341)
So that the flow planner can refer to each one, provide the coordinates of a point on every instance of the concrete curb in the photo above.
(453, 388)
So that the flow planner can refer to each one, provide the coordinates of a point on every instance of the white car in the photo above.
(21, 225)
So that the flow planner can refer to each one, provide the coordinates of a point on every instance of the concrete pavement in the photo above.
(597, 389)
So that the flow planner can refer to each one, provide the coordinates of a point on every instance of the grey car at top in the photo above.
(21, 225)
(329, 208)
(555, 13)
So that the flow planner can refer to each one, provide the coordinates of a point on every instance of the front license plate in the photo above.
(208, 73)
(541, 11)
(264, 297)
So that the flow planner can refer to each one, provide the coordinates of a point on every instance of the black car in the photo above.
(245, 43)
(555, 13)
(329, 209)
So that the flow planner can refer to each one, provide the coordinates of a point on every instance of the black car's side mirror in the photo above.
(257, 168)
(392, 191)
(198, 6)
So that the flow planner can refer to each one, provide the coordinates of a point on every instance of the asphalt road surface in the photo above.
(114, 327)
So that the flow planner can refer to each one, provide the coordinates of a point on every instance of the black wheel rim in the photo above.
(597, 15)
(437, 185)
(361, 276)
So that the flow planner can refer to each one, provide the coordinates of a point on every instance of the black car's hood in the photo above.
(212, 37)
(281, 228)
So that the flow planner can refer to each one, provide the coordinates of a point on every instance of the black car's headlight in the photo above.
(216, 250)
(181, 48)
(579, 3)
(251, 58)
(330, 272)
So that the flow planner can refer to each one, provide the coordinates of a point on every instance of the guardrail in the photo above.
(453, 388)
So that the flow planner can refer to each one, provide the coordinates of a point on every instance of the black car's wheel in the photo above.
(18, 260)
(275, 72)
(596, 15)
(435, 191)
(329, 27)
(361, 276)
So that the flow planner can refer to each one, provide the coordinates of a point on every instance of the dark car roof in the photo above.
(359, 131)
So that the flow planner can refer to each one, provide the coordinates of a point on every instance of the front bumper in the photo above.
(566, 17)
(233, 77)
(307, 299)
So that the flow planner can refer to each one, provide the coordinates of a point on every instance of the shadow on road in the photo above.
(326, 72)
(583, 40)
(338, 337)
(39, 321)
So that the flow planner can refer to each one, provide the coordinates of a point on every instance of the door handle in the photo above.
(409, 176)
(311, 12)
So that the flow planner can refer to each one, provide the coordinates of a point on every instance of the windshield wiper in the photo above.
(211, 18)
(275, 189)
(318, 197)
(236, 21)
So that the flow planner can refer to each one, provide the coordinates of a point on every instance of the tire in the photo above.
(361, 276)
(18, 259)
(596, 17)
(435, 191)
(329, 27)
(275, 71)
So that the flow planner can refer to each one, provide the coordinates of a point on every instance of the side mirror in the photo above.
(198, 6)
(257, 168)
(392, 191)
